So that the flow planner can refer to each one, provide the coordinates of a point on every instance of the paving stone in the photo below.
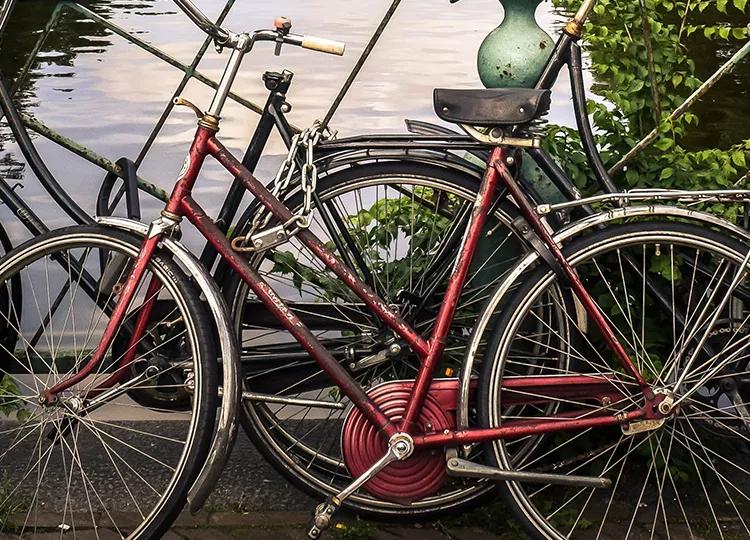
(91, 534)
(173, 535)
(471, 533)
(80, 534)
(53, 519)
(204, 533)
(186, 519)
(258, 519)
(267, 534)
(123, 520)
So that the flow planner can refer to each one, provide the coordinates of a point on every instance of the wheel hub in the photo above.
(419, 475)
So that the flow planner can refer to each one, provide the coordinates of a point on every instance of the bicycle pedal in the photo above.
(323, 516)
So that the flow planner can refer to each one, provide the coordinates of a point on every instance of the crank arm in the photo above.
(469, 469)
(400, 446)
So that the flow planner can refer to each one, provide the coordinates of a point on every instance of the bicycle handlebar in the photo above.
(313, 43)
(280, 35)
(203, 22)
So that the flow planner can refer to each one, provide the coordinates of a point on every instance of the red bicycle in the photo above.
(610, 398)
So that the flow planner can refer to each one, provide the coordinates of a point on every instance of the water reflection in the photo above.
(105, 93)
(725, 110)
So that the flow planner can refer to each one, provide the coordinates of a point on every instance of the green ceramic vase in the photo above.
(514, 53)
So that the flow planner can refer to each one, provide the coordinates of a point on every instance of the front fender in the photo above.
(565, 235)
(226, 431)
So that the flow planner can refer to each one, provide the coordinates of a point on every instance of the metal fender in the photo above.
(226, 431)
(564, 235)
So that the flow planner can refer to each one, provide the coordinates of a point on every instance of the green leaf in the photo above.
(666, 173)
(738, 158)
(721, 5)
(632, 176)
(740, 4)
(665, 143)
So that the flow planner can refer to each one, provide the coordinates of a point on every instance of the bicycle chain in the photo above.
(258, 239)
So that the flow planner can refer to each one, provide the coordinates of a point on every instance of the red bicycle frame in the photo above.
(181, 204)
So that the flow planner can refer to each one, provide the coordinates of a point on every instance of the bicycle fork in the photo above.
(49, 396)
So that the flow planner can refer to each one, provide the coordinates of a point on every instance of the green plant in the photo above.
(355, 530)
(642, 71)
(12, 505)
(10, 399)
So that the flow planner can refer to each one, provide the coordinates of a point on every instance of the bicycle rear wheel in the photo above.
(400, 226)
(10, 301)
(686, 478)
(95, 458)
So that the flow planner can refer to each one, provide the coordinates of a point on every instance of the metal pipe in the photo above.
(582, 119)
(584, 11)
(270, 398)
(625, 197)
(5, 9)
(679, 111)
(203, 22)
(162, 55)
(88, 154)
(227, 79)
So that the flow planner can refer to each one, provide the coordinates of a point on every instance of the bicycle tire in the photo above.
(692, 450)
(10, 299)
(128, 469)
(256, 419)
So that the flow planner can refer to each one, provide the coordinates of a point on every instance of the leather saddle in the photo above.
(491, 107)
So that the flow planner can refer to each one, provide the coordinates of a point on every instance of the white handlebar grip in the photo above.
(324, 45)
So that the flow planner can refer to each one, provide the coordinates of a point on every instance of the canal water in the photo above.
(100, 90)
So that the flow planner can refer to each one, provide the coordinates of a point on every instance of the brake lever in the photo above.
(283, 25)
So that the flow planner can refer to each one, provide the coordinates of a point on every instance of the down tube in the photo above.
(286, 316)
(344, 273)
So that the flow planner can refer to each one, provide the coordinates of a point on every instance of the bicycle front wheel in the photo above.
(95, 459)
(678, 299)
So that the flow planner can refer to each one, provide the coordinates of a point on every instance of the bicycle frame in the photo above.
(182, 205)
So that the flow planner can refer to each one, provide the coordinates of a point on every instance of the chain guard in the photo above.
(417, 477)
